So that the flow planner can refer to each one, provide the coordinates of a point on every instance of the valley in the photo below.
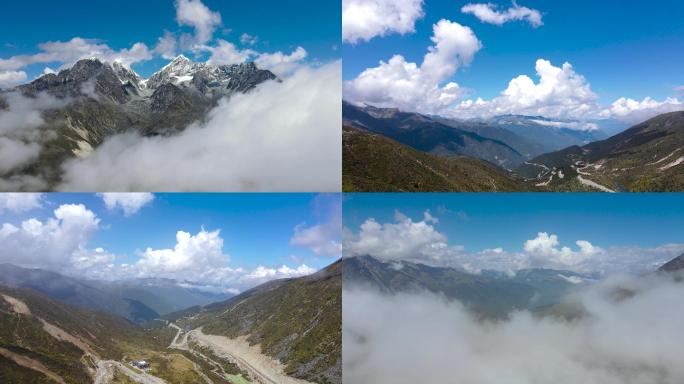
(44, 340)
(386, 149)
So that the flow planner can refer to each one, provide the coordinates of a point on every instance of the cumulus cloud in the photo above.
(404, 239)
(20, 202)
(363, 20)
(407, 86)
(421, 242)
(130, 203)
(58, 243)
(280, 63)
(192, 258)
(283, 136)
(323, 238)
(69, 52)
(560, 93)
(200, 259)
(9, 79)
(20, 137)
(545, 247)
(195, 14)
(629, 331)
(489, 13)
(634, 111)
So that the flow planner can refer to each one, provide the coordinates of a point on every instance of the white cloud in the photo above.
(564, 94)
(195, 14)
(280, 63)
(20, 138)
(421, 242)
(263, 274)
(634, 111)
(226, 53)
(363, 20)
(71, 51)
(630, 331)
(404, 239)
(323, 238)
(560, 93)
(192, 258)
(405, 85)
(545, 247)
(58, 243)
(20, 202)
(295, 125)
(488, 13)
(246, 38)
(130, 203)
(199, 259)
(9, 79)
(167, 46)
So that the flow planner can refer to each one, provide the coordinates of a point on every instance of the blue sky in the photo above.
(624, 48)
(630, 49)
(256, 229)
(280, 26)
(487, 220)
(581, 232)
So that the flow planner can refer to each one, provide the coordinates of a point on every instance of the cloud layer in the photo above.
(362, 20)
(632, 339)
(293, 124)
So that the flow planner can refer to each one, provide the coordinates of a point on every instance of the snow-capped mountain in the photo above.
(101, 99)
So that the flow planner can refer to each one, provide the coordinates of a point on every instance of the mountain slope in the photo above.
(374, 163)
(297, 321)
(42, 338)
(95, 100)
(675, 264)
(646, 157)
(488, 294)
(427, 135)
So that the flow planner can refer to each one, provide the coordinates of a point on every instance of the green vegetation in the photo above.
(644, 158)
(297, 321)
(374, 163)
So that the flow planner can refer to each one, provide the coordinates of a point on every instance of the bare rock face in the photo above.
(103, 99)
(675, 264)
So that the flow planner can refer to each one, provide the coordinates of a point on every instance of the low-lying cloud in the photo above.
(283, 136)
(21, 117)
(629, 332)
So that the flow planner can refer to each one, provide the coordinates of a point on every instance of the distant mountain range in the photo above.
(489, 293)
(138, 300)
(104, 99)
(297, 321)
(539, 153)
